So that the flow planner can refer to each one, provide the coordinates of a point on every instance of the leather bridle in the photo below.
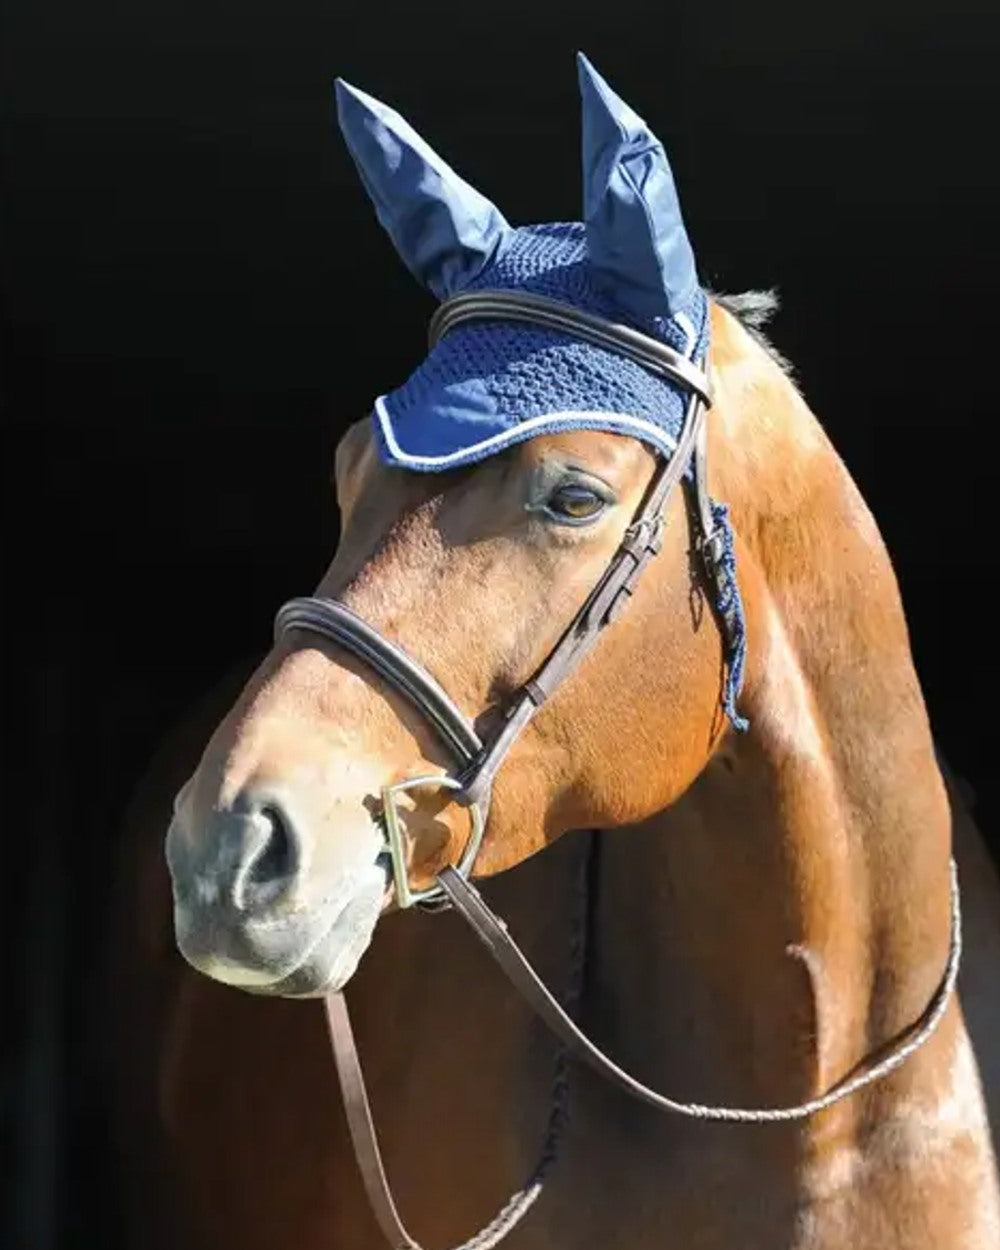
(477, 761)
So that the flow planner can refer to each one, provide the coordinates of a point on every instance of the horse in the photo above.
(723, 834)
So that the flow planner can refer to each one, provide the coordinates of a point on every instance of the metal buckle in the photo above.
(712, 546)
(396, 843)
(644, 535)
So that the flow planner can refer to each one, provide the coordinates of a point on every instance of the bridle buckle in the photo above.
(645, 535)
(434, 897)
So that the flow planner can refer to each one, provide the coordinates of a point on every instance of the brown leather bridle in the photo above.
(477, 762)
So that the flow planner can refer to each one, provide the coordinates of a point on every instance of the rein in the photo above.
(478, 761)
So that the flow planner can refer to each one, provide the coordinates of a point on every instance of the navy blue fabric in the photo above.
(635, 233)
(443, 229)
(487, 385)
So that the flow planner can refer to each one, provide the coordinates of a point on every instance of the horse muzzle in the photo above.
(251, 910)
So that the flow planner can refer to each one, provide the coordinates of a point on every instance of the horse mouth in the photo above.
(331, 963)
(308, 957)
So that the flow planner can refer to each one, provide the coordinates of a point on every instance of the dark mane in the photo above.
(753, 310)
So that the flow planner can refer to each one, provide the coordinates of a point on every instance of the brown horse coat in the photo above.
(769, 908)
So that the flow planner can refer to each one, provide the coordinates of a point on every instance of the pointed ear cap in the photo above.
(635, 233)
(443, 229)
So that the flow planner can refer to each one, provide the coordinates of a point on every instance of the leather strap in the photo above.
(499, 305)
(369, 1157)
(335, 621)
(361, 1125)
(493, 933)
(641, 541)
(479, 761)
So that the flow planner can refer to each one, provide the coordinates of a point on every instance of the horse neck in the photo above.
(791, 912)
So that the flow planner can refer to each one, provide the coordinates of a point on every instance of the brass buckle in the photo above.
(396, 843)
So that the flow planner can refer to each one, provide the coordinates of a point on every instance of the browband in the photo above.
(491, 305)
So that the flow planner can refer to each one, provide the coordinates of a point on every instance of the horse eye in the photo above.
(574, 503)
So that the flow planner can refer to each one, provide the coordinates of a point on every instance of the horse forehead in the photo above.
(393, 495)
(616, 456)
(603, 452)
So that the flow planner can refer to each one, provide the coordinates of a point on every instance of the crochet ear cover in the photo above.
(446, 233)
(487, 385)
(443, 229)
(636, 239)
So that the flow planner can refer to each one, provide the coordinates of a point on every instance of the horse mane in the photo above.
(753, 310)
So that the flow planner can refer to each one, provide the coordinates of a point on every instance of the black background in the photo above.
(198, 299)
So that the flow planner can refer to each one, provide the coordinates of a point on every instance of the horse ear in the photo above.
(443, 229)
(635, 234)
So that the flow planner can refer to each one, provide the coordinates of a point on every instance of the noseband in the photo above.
(478, 760)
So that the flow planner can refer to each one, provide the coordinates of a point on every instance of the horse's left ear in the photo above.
(635, 234)
(443, 229)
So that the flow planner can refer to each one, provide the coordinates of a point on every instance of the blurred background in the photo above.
(197, 300)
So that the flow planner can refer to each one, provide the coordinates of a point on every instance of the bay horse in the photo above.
(724, 835)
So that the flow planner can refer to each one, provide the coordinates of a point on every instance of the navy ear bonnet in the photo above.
(487, 385)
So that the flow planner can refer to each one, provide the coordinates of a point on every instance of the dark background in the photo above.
(197, 300)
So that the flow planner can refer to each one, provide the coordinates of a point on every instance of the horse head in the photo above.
(480, 506)
(541, 619)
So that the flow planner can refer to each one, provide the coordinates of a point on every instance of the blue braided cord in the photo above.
(729, 605)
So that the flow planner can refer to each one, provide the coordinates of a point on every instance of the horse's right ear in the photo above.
(635, 234)
(443, 229)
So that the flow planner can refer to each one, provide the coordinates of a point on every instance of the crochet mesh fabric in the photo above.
(486, 380)
(486, 385)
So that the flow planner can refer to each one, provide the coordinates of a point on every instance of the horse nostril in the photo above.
(275, 857)
(271, 864)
